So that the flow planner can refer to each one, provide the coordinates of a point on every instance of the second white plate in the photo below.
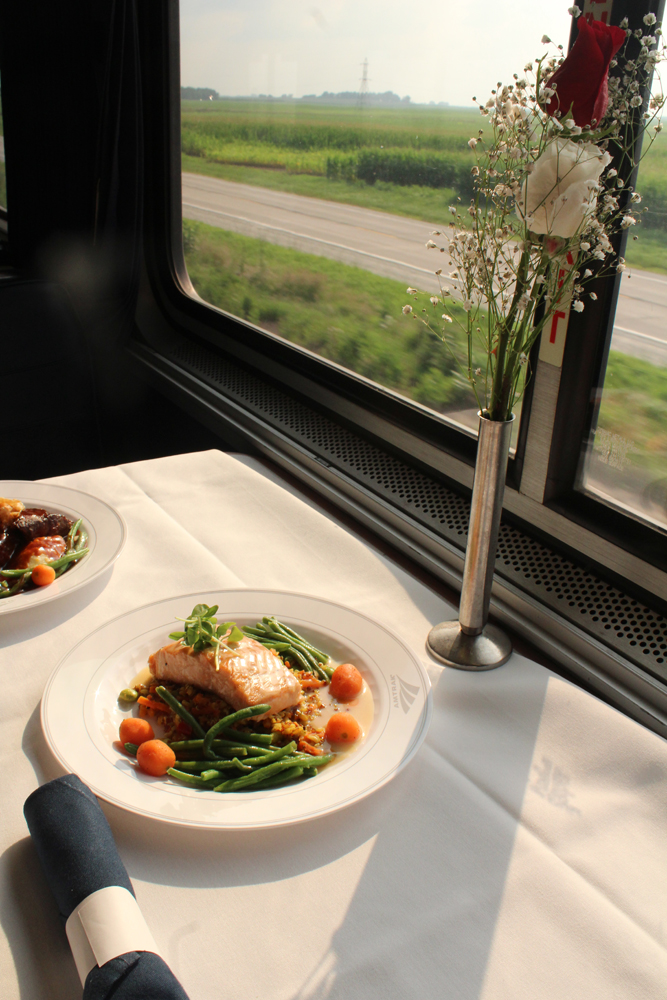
(81, 713)
(106, 537)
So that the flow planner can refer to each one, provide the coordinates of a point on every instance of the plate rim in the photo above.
(46, 597)
(416, 739)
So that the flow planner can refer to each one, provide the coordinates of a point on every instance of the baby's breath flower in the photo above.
(578, 306)
(588, 273)
(593, 296)
(447, 319)
(407, 310)
(574, 11)
(545, 39)
(649, 19)
(430, 245)
(434, 300)
(411, 291)
(635, 198)
(523, 359)
(585, 246)
(628, 221)
(472, 142)
(624, 23)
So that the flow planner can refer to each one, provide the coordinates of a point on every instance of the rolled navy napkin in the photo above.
(77, 851)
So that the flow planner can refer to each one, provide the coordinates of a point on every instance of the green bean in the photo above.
(307, 759)
(253, 751)
(286, 630)
(81, 541)
(71, 535)
(255, 778)
(198, 766)
(252, 739)
(15, 572)
(182, 713)
(20, 583)
(68, 558)
(282, 779)
(224, 753)
(274, 635)
(270, 757)
(194, 780)
(229, 720)
(313, 665)
(300, 660)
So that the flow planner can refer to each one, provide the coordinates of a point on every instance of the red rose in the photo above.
(582, 79)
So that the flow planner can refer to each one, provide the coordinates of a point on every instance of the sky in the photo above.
(450, 51)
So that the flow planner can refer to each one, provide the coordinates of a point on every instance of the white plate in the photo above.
(81, 713)
(106, 537)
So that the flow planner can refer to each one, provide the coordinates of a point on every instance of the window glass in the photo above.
(322, 143)
(626, 462)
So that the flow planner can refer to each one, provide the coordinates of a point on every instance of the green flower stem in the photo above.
(501, 394)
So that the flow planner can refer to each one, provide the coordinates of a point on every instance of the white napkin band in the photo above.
(108, 923)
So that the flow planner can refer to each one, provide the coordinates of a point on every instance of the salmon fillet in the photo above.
(250, 675)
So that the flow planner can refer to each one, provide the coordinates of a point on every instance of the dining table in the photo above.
(520, 854)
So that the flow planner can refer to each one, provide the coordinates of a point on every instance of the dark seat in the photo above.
(49, 415)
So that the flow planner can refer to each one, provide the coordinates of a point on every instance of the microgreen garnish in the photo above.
(202, 631)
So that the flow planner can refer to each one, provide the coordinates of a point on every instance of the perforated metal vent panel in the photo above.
(633, 630)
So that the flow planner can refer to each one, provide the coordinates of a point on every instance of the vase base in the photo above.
(448, 644)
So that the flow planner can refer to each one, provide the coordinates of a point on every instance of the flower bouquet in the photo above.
(553, 189)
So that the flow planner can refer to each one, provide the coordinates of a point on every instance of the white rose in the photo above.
(561, 190)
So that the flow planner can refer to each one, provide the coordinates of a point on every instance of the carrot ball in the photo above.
(136, 731)
(155, 757)
(43, 575)
(342, 727)
(346, 683)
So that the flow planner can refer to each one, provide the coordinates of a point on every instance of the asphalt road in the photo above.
(393, 247)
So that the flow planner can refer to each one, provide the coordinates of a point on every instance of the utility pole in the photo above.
(363, 86)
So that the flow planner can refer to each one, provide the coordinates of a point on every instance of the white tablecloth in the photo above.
(522, 853)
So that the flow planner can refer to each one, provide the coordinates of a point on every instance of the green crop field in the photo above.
(410, 161)
(342, 313)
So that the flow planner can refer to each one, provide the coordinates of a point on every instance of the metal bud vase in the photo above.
(470, 643)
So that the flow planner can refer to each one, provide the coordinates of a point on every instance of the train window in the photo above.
(321, 146)
(627, 463)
